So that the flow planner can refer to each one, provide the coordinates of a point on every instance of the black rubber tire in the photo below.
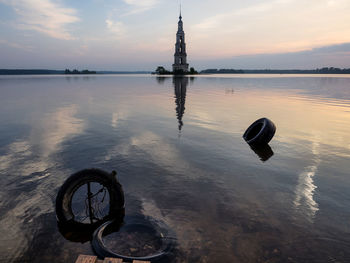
(64, 197)
(102, 251)
(260, 132)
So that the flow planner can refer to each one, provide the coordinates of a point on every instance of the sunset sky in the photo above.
(140, 34)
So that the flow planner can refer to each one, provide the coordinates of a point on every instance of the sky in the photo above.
(140, 34)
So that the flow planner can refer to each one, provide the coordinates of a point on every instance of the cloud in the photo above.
(118, 28)
(327, 56)
(344, 47)
(276, 26)
(208, 23)
(220, 20)
(44, 16)
(16, 45)
(138, 6)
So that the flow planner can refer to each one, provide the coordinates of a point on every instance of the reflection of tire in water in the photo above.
(264, 151)
(77, 232)
(90, 202)
(138, 239)
(90, 197)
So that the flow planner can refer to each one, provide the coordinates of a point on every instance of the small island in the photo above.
(75, 71)
(160, 70)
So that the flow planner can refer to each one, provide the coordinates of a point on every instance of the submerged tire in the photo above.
(74, 182)
(260, 132)
(166, 238)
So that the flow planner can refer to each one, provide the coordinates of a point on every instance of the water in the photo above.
(178, 149)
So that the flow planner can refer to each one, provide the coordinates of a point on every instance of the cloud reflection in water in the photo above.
(33, 157)
(304, 193)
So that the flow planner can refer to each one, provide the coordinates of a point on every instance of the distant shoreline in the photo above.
(325, 70)
(62, 72)
(330, 70)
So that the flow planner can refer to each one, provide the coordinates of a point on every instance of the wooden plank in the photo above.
(139, 261)
(112, 260)
(86, 259)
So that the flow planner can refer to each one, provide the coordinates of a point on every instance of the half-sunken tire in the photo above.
(165, 235)
(64, 197)
(260, 132)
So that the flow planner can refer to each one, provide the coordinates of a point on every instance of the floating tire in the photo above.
(65, 195)
(161, 232)
(260, 132)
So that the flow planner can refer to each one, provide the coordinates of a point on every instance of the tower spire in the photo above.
(180, 11)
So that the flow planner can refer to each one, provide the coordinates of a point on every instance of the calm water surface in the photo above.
(178, 149)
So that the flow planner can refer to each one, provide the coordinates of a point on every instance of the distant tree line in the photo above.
(67, 71)
(42, 72)
(122, 72)
(326, 70)
(29, 71)
(75, 71)
(222, 71)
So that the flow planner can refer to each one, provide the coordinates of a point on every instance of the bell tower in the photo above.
(180, 56)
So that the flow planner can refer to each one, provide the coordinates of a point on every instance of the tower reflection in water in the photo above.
(180, 87)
